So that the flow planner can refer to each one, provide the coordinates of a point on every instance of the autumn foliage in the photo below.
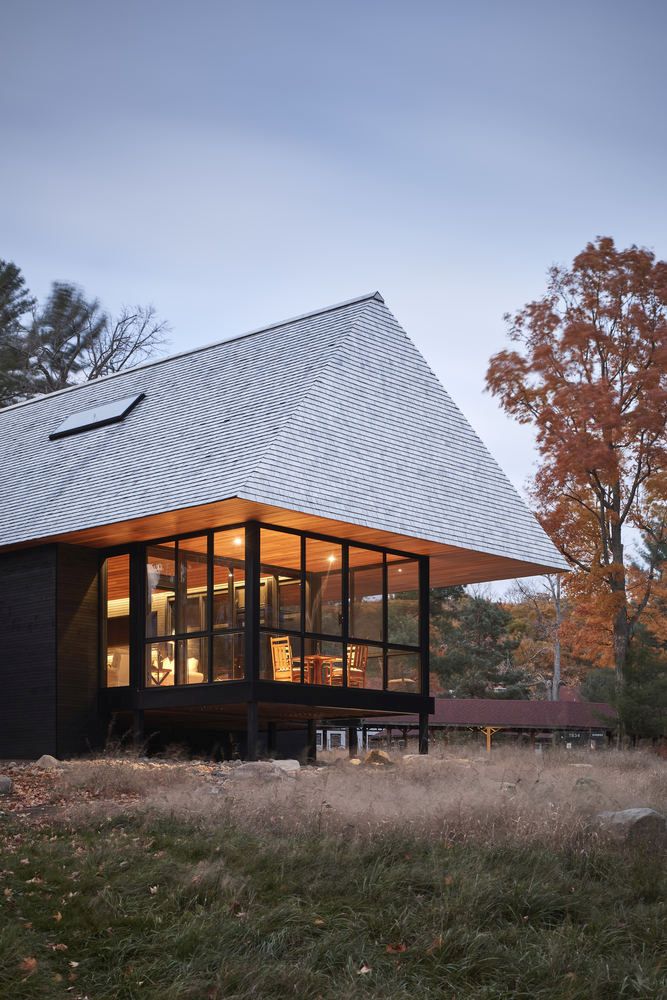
(588, 370)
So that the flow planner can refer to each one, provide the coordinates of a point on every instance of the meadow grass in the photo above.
(442, 879)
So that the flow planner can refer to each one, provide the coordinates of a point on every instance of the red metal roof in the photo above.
(513, 714)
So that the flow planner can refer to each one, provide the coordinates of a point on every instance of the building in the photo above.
(230, 544)
(572, 723)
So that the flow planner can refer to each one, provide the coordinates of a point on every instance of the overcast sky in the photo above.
(239, 163)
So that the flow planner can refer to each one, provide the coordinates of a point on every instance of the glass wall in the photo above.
(195, 610)
(336, 614)
(330, 613)
(117, 621)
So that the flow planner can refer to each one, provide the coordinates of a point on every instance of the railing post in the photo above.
(252, 731)
(423, 732)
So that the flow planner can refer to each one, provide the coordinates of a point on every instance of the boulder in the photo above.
(290, 767)
(635, 825)
(5, 785)
(257, 770)
(48, 763)
(378, 757)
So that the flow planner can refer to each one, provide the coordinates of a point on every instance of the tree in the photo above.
(642, 701)
(68, 339)
(477, 638)
(589, 373)
(15, 303)
(538, 608)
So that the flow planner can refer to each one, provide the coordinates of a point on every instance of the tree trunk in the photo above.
(621, 643)
(621, 628)
(555, 594)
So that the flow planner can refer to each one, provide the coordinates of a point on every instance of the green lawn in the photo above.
(143, 905)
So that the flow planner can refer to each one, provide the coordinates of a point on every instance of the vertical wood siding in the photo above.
(28, 653)
(78, 725)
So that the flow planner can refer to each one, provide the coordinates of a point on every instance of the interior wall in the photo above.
(28, 652)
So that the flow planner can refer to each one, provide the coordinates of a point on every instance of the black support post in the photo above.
(252, 609)
(311, 752)
(271, 738)
(423, 732)
(352, 741)
(252, 731)
(138, 727)
(424, 622)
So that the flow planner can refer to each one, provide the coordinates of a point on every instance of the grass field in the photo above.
(446, 878)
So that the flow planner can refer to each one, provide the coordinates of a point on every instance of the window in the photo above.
(338, 615)
(117, 621)
(280, 580)
(195, 609)
(366, 594)
(99, 416)
(331, 613)
(403, 601)
(324, 587)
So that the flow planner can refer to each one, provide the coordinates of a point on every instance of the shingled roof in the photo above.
(335, 414)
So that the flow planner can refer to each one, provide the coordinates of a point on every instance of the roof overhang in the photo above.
(450, 565)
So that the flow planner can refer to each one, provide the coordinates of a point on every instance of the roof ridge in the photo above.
(197, 350)
(311, 386)
(316, 379)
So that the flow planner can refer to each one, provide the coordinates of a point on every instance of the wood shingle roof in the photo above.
(335, 414)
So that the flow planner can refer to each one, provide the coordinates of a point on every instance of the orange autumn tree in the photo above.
(589, 373)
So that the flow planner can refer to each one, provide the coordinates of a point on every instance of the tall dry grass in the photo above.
(512, 794)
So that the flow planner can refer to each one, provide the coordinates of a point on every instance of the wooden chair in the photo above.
(357, 658)
(285, 668)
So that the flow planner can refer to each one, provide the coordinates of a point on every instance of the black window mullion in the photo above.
(302, 579)
(385, 623)
(345, 624)
(209, 606)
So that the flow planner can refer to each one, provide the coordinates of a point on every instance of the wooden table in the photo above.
(319, 667)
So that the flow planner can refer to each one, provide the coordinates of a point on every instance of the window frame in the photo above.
(251, 629)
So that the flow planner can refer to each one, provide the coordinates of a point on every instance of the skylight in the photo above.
(99, 416)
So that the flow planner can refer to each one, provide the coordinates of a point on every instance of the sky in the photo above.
(237, 163)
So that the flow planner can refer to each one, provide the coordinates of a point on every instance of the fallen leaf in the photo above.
(74, 965)
(364, 970)
(58, 947)
(448, 879)
(396, 949)
(435, 945)
(29, 965)
(153, 889)
(57, 916)
(319, 922)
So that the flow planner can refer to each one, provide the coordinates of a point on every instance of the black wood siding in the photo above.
(78, 724)
(28, 652)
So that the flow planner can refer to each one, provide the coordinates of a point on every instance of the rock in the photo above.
(257, 770)
(48, 763)
(379, 757)
(354, 761)
(635, 825)
(5, 785)
(290, 767)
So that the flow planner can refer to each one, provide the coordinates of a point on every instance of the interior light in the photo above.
(331, 559)
(238, 541)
